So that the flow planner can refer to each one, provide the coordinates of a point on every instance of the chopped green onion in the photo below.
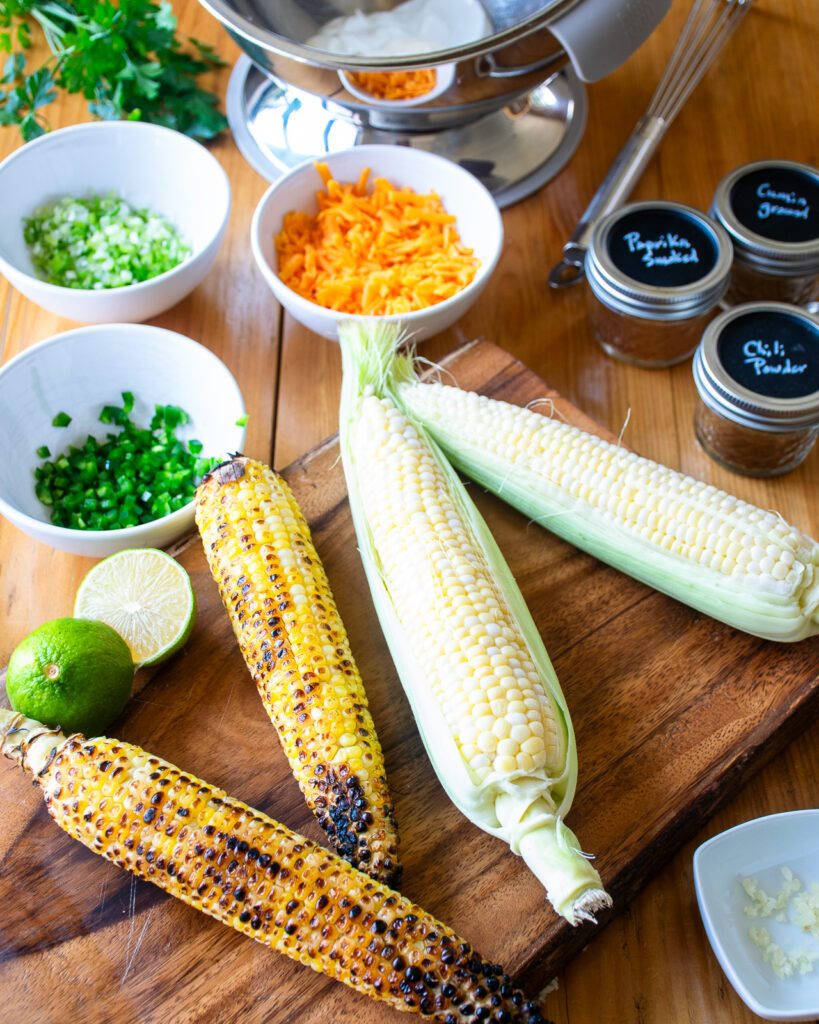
(130, 477)
(242, 421)
(101, 242)
(62, 419)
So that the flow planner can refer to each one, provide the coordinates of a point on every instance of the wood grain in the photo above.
(657, 758)
(231, 312)
(652, 964)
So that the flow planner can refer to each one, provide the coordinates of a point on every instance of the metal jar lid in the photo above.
(758, 365)
(659, 261)
(771, 211)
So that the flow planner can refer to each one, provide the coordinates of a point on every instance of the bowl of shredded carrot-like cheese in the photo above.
(394, 85)
(377, 231)
(391, 89)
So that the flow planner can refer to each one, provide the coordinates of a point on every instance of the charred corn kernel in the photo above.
(276, 593)
(482, 688)
(248, 871)
(740, 564)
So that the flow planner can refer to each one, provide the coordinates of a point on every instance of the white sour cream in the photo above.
(416, 26)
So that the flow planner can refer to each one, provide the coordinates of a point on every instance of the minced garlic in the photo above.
(785, 965)
(763, 904)
(805, 910)
(792, 903)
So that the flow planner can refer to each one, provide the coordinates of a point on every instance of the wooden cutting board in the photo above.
(673, 712)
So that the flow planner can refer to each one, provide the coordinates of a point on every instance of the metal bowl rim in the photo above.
(223, 11)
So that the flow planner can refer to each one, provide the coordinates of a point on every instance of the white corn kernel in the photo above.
(464, 635)
(557, 467)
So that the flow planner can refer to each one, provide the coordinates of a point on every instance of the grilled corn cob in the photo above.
(483, 691)
(248, 871)
(276, 593)
(737, 563)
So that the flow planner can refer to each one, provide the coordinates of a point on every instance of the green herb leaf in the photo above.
(40, 88)
(125, 58)
(13, 68)
(165, 18)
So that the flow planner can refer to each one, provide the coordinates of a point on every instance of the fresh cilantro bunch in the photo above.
(124, 57)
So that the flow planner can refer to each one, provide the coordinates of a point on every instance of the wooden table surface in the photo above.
(652, 965)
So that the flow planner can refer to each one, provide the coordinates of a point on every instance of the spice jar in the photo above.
(757, 374)
(656, 272)
(771, 211)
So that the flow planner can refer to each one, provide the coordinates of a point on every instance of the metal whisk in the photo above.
(709, 25)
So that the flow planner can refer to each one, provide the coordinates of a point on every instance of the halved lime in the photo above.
(146, 596)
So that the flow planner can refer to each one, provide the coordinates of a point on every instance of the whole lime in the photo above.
(72, 673)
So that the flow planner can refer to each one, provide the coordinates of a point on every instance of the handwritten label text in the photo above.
(664, 251)
(770, 357)
(781, 204)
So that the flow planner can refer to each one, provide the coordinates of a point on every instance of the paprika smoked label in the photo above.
(661, 247)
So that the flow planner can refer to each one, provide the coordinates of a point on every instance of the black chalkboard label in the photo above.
(771, 353)
(661, 247)
(779, 203)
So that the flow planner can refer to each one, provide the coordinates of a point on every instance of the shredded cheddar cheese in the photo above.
(395, 85)
(380, 251)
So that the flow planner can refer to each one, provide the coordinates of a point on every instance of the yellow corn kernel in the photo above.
(250, 872)
(276, 592)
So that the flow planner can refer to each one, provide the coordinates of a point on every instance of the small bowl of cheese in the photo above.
(396, 89)
(389, 232)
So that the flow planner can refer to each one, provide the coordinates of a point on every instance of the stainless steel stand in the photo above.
(513, 151)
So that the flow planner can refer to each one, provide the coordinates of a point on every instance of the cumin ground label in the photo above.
(662, 247)
(781, 203)
(771, 353)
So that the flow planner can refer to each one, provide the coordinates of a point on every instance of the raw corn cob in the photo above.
(740, 564)
(275, 590)
(484, 693)
(248, 871)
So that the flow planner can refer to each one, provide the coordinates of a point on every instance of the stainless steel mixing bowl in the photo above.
(529, 41)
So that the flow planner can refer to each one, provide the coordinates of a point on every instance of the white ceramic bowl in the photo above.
(148, 166)
(759, 849)
(478, 220)
(79, 372)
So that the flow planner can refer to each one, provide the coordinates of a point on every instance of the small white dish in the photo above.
(478, 220)
(444, 77)
(80, 371)
(759, 849)
(149, 166)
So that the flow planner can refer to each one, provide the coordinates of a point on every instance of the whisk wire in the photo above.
(705, 32)
(706, 29)
(674, 67)
(730, 17)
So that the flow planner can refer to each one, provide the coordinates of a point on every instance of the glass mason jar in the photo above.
(770, 209)
(757, 376)
(656, 272)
